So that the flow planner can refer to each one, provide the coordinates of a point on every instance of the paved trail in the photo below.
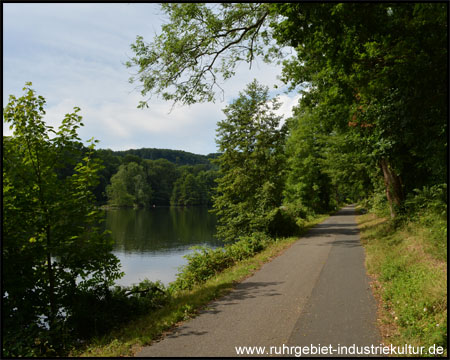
(316, 292)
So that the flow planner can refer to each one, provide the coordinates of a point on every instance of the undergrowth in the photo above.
(407, 258)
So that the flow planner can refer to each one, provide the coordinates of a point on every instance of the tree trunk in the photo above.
(393, 184)
(51, 280)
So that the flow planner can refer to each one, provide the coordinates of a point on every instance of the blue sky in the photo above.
(74, 55)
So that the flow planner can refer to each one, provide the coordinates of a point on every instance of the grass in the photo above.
(408, 264)
(184, 304)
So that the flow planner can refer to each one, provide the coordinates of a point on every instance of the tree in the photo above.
(129, 186)
(53, 246)
(194, 189)
(387, 70)
(307, 183)
(199, 43)
(383, 74)
(352, 172)
(251, 167)
(326, 167)
(207, 181)
(161, 176)
(110, 164)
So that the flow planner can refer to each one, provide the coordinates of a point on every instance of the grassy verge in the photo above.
(408, 264)
(183, 305)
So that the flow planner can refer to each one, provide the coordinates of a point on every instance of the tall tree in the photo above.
(193, 189)
(251, 165)
(307, 184)
(161, 176)
(387, 70)
(110, 164)
(129, 186)
(53, 246)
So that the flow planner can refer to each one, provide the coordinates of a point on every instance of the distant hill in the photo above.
(178, 157)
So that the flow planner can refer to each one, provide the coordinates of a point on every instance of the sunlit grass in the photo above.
(408, 263)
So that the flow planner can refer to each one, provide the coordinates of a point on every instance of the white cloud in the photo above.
(74, 55)
(288, 102)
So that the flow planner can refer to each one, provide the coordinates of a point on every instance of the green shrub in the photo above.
(298, 210)
(204, 262)
(433, 198)
(282, 222)
(109, 308)
(83, 315)
(379, 204)
(248, 246)
(241, 250)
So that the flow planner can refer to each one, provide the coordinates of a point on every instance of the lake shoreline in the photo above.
(151, 243)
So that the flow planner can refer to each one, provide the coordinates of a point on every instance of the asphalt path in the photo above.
(315, 294)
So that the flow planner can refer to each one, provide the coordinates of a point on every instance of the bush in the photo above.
(433, 198)
(204, 262)
(240, 250)
(298, 210)
(282, 222)
(83, 315)
(379, 204)
(109, 308)
(247, 246)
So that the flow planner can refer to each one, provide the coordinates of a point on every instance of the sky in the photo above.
(74, 54)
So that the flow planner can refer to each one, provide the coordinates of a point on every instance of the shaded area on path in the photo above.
(341, 308)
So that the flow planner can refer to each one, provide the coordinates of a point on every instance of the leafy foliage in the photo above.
(160, 182)
(110, 308)
(190, 189)
(53, 246)
(129, 186)
(200, 42)
(380, 77)
(205, 262)
(251, 165)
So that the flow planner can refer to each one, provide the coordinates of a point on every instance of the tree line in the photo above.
(146, 177)
(160, 182)
(178, 157)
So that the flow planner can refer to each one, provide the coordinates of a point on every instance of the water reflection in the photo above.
(151, 243)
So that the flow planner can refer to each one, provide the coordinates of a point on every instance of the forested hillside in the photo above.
(147, 177)
(178, 157)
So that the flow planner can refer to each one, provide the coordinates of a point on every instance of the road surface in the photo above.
(316, 292)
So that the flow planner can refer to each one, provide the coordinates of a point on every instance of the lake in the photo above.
(151, 243)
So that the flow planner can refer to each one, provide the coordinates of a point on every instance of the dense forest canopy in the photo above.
(148, 176)
(373, 75)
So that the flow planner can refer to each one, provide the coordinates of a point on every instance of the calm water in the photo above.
(150, 243)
